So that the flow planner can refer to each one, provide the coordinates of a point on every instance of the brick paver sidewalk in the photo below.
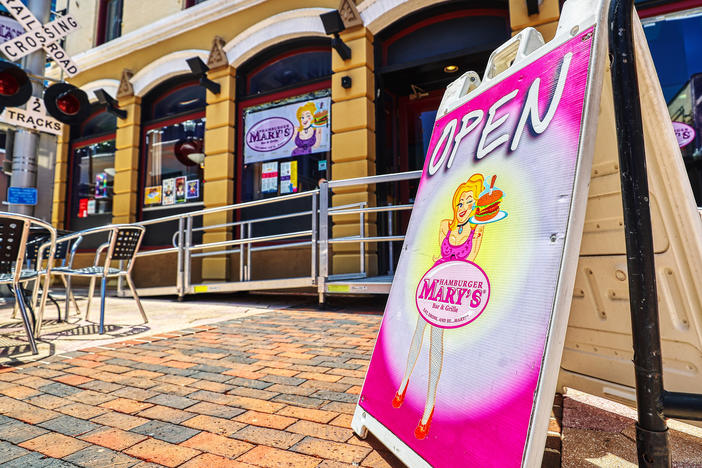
(272, 390)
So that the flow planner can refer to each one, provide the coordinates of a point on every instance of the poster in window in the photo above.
(180, 189)
(296, 129)
(192, 189)
(152, 195)
(269, 177)
(83, 207)
(288, 177)
(92, 207)
(169, 191)
(101, 185)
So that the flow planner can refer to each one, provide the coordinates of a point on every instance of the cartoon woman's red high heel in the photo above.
(398, 399)
(421, 430)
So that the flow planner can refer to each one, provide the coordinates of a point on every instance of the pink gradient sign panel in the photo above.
(459, 353)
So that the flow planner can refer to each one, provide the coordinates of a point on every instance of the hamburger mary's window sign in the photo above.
(293, 127)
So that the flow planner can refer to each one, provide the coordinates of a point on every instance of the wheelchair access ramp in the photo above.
(238, 234)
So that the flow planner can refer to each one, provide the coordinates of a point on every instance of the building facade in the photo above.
(290, 110)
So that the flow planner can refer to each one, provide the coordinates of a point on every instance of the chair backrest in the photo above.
(126, 242)
(12, 239)
(37, 239)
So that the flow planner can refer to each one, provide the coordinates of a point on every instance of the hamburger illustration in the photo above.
(488, 205)
(321, 118)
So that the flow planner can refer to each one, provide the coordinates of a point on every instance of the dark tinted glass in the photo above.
(98, 124)
(287, 71)
(186, 99)
(113, 19)
(453, 35)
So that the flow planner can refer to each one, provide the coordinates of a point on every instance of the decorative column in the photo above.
(545, 21)
(218, 186)
(58, 209)
(127, 139)
(353, 146)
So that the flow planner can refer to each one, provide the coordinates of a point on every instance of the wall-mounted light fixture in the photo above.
(199, 69)
(346, 82)
(533, 6)
(110, 103)
(333, 24)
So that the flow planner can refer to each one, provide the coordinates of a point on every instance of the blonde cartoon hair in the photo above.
(474, 185)
(309, 107)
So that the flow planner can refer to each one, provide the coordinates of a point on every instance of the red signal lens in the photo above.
(68, 104)
(8, 84)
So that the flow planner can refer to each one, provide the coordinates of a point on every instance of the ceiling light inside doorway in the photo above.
(451, 68)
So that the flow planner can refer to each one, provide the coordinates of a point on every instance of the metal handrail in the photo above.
(318, 238)
(245, 222)
(236, 206)
(376, 179)
(353, 239)
(251, 240)
(371, 209)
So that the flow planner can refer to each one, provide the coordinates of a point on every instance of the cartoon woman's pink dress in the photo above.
(450, 252)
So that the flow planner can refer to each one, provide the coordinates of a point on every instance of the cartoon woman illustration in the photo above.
(307, 137)
(459, 241)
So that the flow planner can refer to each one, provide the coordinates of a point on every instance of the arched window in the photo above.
(173, 135)
(284, 119)
(284, 126)
(91, 171)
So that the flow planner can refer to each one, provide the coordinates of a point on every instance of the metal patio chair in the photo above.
(37, 238)
(14, 232)
(123, 243)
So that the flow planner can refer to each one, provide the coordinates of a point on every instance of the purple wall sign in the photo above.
(270, 134)
(684, 133)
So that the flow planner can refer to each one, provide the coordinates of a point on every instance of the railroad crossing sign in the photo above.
(39, 36)
(34, 117)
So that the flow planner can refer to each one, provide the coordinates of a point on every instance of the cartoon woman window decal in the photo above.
(309, 132)
(460, 239)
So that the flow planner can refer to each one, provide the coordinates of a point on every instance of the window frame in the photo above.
(146, 127)
(103, 20)
(73, 147)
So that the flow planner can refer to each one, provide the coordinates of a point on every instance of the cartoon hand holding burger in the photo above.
(488, 205)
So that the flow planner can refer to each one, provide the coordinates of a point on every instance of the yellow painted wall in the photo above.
(199, 38)
(138, 13)
(85, 12)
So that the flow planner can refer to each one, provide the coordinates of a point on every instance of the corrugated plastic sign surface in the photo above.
(460, 350)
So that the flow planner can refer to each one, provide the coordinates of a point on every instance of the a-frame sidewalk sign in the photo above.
(468, 353)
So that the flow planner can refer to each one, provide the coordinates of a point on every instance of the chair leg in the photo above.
(130, 282)
(42, 305)
(103, 284)
(19, 297)
(91, 290)
(35, 292)
(67, 284)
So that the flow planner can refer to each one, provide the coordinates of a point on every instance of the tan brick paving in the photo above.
(251, 392)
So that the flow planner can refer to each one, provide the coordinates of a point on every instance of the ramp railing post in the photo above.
(323, 239)
(313, 245)
(179, 273)
(362, 233)
(651, 429)
(187, 259)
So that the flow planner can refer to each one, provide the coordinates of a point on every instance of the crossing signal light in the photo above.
(15, 86)
(63, 101)
(66, 103)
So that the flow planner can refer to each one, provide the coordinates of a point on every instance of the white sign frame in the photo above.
(577, 16)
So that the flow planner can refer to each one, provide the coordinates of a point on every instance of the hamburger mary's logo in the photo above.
(270, 134)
